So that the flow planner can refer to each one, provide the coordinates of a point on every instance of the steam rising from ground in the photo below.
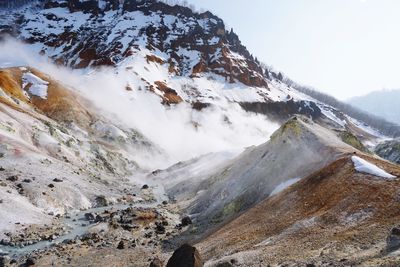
(180, 131)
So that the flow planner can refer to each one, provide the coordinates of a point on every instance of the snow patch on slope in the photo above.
(16, 210)
(37, 86)
(284, 185)
(364, 166)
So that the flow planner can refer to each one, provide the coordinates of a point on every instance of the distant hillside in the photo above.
(381, 103)
(380, 122)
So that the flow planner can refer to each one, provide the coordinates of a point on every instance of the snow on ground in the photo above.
(366, 128)
(16, 210)
(364, 166)
(329, 113)
(37, 86)
(284, 185)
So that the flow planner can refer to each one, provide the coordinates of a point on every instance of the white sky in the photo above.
(342, 47)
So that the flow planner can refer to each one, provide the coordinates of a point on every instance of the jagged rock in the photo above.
(187, 256)
(128, 226)
(30, 262)
(284, 109)
(4, 261)
(224, 264)
(13, 178)
(91, 237)
(2, 169)
(393, 240)
(156, 263)
(68, 241)
(90, 216)
(27, 181)
(160, 228)
(57, 180)
(99, 219)
(101, 201)
(186, 221)
(121, 245)
(145, 186)
(51, 185)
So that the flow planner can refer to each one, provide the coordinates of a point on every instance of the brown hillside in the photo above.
(61, 104)
(335, 213)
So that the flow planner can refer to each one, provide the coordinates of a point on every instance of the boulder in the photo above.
(186, 221)
(185, 256)
(156, 263)
(90, 216)
(13, 178)
(145, 186)
(101, 201)
(393, 240)
(160, 228)
(4, 261)
(224, 264)
(121, 245)
(30, 262)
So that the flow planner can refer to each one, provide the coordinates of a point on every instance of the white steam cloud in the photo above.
(179, 130)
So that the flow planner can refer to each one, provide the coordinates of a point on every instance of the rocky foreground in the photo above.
(117, 235)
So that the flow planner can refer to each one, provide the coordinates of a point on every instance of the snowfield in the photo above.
(284, 185)
(37, 86)
(364, 166)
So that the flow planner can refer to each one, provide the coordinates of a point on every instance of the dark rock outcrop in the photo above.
(393, 240)
(283, 110)
(389, 150)
(156, 263)
(185, 256)
(186, 221)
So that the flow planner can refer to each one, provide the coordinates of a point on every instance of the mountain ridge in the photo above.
(158, 127)
(381, 103)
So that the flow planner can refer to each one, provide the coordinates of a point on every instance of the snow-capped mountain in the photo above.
(94, 33)
(161, 113)
(171, 50)
(170, 41)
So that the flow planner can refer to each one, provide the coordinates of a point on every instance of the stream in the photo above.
(76, 224)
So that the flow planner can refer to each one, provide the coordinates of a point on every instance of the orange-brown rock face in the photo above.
(170, 96)
(60, 103)
(89, 35)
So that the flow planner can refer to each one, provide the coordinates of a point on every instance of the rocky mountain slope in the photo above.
(178, 54)
(170, 50)
(234, 186)
(336, 216)
(389, 150)
(161, 125)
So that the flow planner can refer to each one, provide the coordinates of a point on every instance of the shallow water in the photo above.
(75, 228)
